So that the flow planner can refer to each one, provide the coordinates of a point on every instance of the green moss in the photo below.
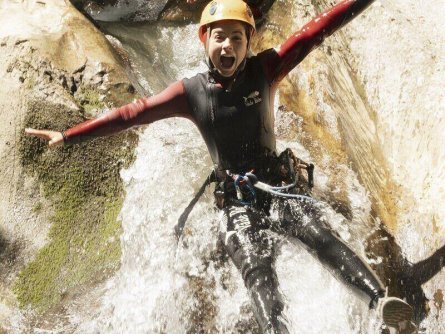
(81, 252)
(84, 185)
(37, 208)
(89, 99)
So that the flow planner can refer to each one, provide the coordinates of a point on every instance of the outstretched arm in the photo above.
(171, 102)
(298, 46)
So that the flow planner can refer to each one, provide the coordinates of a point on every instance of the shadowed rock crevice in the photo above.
(10, 258)
(403, 278)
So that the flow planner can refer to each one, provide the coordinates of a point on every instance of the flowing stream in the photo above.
(397, 49)
(165, 287)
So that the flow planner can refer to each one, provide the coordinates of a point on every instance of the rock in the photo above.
(165, 10)
(57, 69)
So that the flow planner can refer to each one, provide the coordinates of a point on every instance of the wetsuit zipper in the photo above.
(212, 105)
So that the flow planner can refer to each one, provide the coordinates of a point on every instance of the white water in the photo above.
(153, 292)
(161, 288)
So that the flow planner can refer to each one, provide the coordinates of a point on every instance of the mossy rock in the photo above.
(84, 185)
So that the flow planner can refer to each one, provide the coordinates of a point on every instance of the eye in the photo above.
(219, 37)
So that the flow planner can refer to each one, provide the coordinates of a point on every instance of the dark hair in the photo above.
(247, 28)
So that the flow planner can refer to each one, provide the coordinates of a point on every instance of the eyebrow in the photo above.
(219, 30)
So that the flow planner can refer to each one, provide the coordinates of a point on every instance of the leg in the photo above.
(247, 243)
(306, 222)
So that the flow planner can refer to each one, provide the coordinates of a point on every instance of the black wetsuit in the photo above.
(238, 129)
(237, 125)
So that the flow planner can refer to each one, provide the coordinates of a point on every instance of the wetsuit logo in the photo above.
(252, 99)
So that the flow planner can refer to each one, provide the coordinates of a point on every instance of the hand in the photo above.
(55, 138)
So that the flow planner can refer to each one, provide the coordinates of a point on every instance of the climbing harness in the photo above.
(246, 183)
(288, 169)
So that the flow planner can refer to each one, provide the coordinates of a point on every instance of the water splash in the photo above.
(163, 287)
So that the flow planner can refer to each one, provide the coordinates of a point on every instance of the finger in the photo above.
(29, 131)
(43, 134)
(35, 132)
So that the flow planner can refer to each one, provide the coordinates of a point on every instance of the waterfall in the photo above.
(165, 287)
(395, 53)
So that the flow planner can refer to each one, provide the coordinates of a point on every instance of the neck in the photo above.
(222, 79)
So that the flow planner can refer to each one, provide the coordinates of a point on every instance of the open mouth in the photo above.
(227, 62)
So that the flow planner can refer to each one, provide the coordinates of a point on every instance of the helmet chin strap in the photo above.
(206, 50)
(211, 66)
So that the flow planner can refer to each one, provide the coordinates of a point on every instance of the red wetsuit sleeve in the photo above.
(280, 62)
(169, 103)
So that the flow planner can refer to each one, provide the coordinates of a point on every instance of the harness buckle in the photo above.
(245, 191)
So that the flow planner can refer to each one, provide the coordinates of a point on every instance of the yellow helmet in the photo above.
(219, 10)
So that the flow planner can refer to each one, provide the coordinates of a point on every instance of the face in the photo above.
(227, 46)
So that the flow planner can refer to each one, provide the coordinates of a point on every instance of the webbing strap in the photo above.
(184, 216)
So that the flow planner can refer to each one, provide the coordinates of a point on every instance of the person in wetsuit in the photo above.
(232, 106)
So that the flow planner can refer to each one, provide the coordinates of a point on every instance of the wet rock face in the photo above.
(180, 10)
(61, 203)
(177, 10)
(166, 10)
(172, 10)
(95, 3)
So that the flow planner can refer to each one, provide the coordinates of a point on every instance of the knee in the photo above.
(320, 238)
(259, 277)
